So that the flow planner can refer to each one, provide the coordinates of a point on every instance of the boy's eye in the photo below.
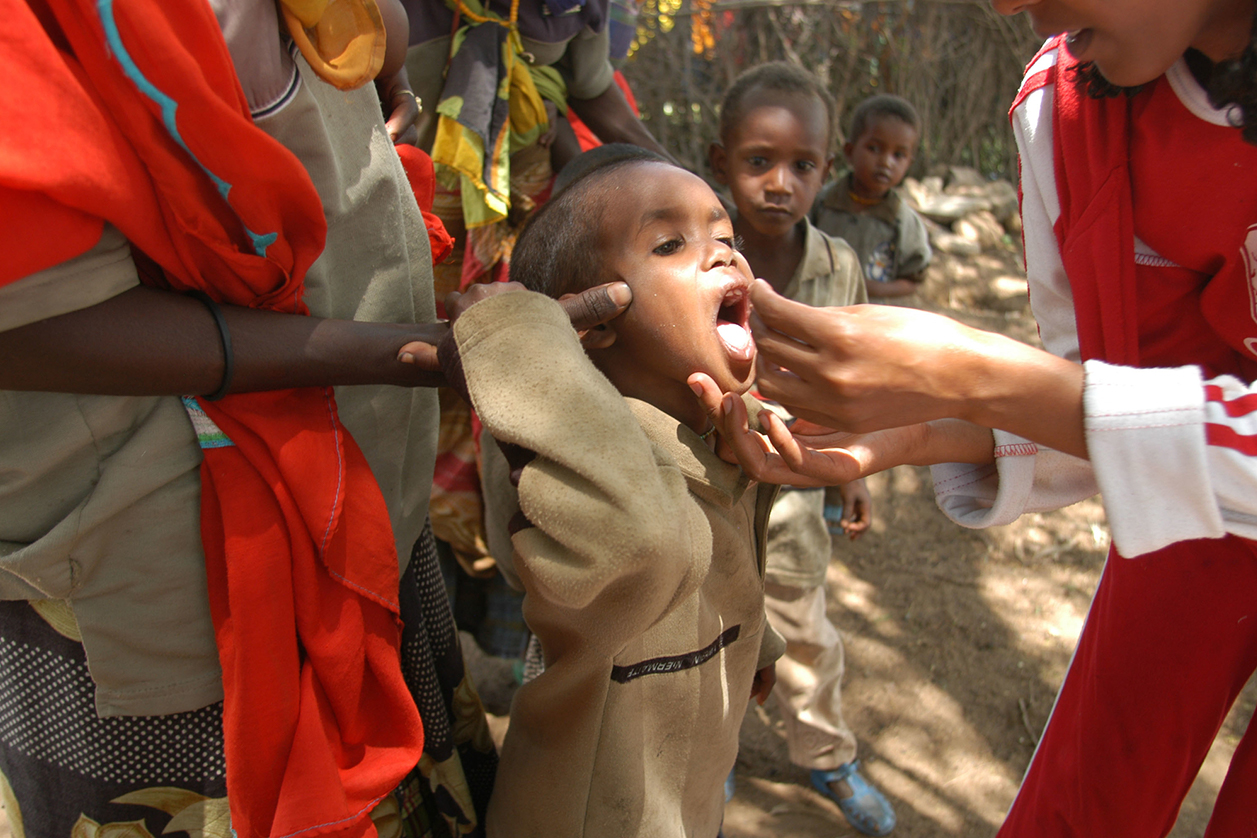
(734, 242)
(757, 162)
(668, 248)
(805, 165)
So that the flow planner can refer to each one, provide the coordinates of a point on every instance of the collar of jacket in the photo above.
(708, 476)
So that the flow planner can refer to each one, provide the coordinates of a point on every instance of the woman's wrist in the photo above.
(1031, 393)
(346, 352)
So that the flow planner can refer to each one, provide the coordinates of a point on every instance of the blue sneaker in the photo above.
(867, 809)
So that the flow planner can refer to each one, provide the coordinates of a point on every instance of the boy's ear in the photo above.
(598, 337)
(827, 168)
(717, 158)
(847, 148)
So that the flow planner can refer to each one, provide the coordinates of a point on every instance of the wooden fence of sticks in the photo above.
(957, 61)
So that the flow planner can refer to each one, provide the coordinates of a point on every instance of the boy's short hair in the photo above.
(597, 157)
(879, 106)
(777, 76)
(558, 252)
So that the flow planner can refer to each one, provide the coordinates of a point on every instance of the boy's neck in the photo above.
(860, 200)
(772, 258)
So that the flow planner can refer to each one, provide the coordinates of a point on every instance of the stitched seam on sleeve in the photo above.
(1016, 449)
(1091, 427)
(1146, 412)
(969, 478)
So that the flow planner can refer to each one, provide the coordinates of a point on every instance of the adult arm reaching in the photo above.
(808, 454)
(147, 341)
(870, 368)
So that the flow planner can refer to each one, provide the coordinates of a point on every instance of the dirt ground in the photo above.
(956, 640)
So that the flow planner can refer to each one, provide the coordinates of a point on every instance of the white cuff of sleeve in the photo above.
(1146, 440)
(988, 495)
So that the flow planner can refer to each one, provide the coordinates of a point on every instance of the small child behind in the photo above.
(640, 551)
(862, 206)
(773, 154)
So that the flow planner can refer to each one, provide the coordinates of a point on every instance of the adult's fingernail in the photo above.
(726, 404)
(697, 388)
(620, 294)
(406, 358)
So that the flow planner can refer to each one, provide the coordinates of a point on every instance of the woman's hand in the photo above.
(868, 368)
(809, 455)
(586, 310)
(862, 368)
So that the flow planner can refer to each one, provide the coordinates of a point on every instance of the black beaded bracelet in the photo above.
(229, 360)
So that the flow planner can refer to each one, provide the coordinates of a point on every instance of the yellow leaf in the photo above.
(59, 614)
(208, 818)
(11, 809)
(167, 799)
(124, 829)
(84, 827)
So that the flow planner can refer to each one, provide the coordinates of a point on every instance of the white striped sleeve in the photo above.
(1174, 456)
(1231, 434)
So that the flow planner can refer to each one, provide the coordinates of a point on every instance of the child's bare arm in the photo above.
(892, 288)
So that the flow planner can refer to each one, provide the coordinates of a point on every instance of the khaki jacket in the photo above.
(643, 574)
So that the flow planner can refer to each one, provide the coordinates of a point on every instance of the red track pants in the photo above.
(1170, 640)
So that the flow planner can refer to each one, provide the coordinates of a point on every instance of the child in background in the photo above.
(863, 208)
(773, 155)
(640, 551)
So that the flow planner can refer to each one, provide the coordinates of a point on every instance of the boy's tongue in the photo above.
(736, 339)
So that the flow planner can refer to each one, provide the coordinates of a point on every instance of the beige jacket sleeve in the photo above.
(616, 537)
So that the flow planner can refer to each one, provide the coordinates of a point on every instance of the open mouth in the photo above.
(731, 322)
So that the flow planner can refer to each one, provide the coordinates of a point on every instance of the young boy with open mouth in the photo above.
(640, 551)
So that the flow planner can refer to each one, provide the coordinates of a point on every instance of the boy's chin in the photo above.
(737, 381)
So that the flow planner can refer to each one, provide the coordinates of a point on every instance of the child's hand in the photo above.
(763, 683)
(857, 508)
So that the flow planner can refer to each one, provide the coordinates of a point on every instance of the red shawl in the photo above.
(129, 111)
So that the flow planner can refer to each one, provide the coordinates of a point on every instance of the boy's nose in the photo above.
(721, 254)
(779, 181)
